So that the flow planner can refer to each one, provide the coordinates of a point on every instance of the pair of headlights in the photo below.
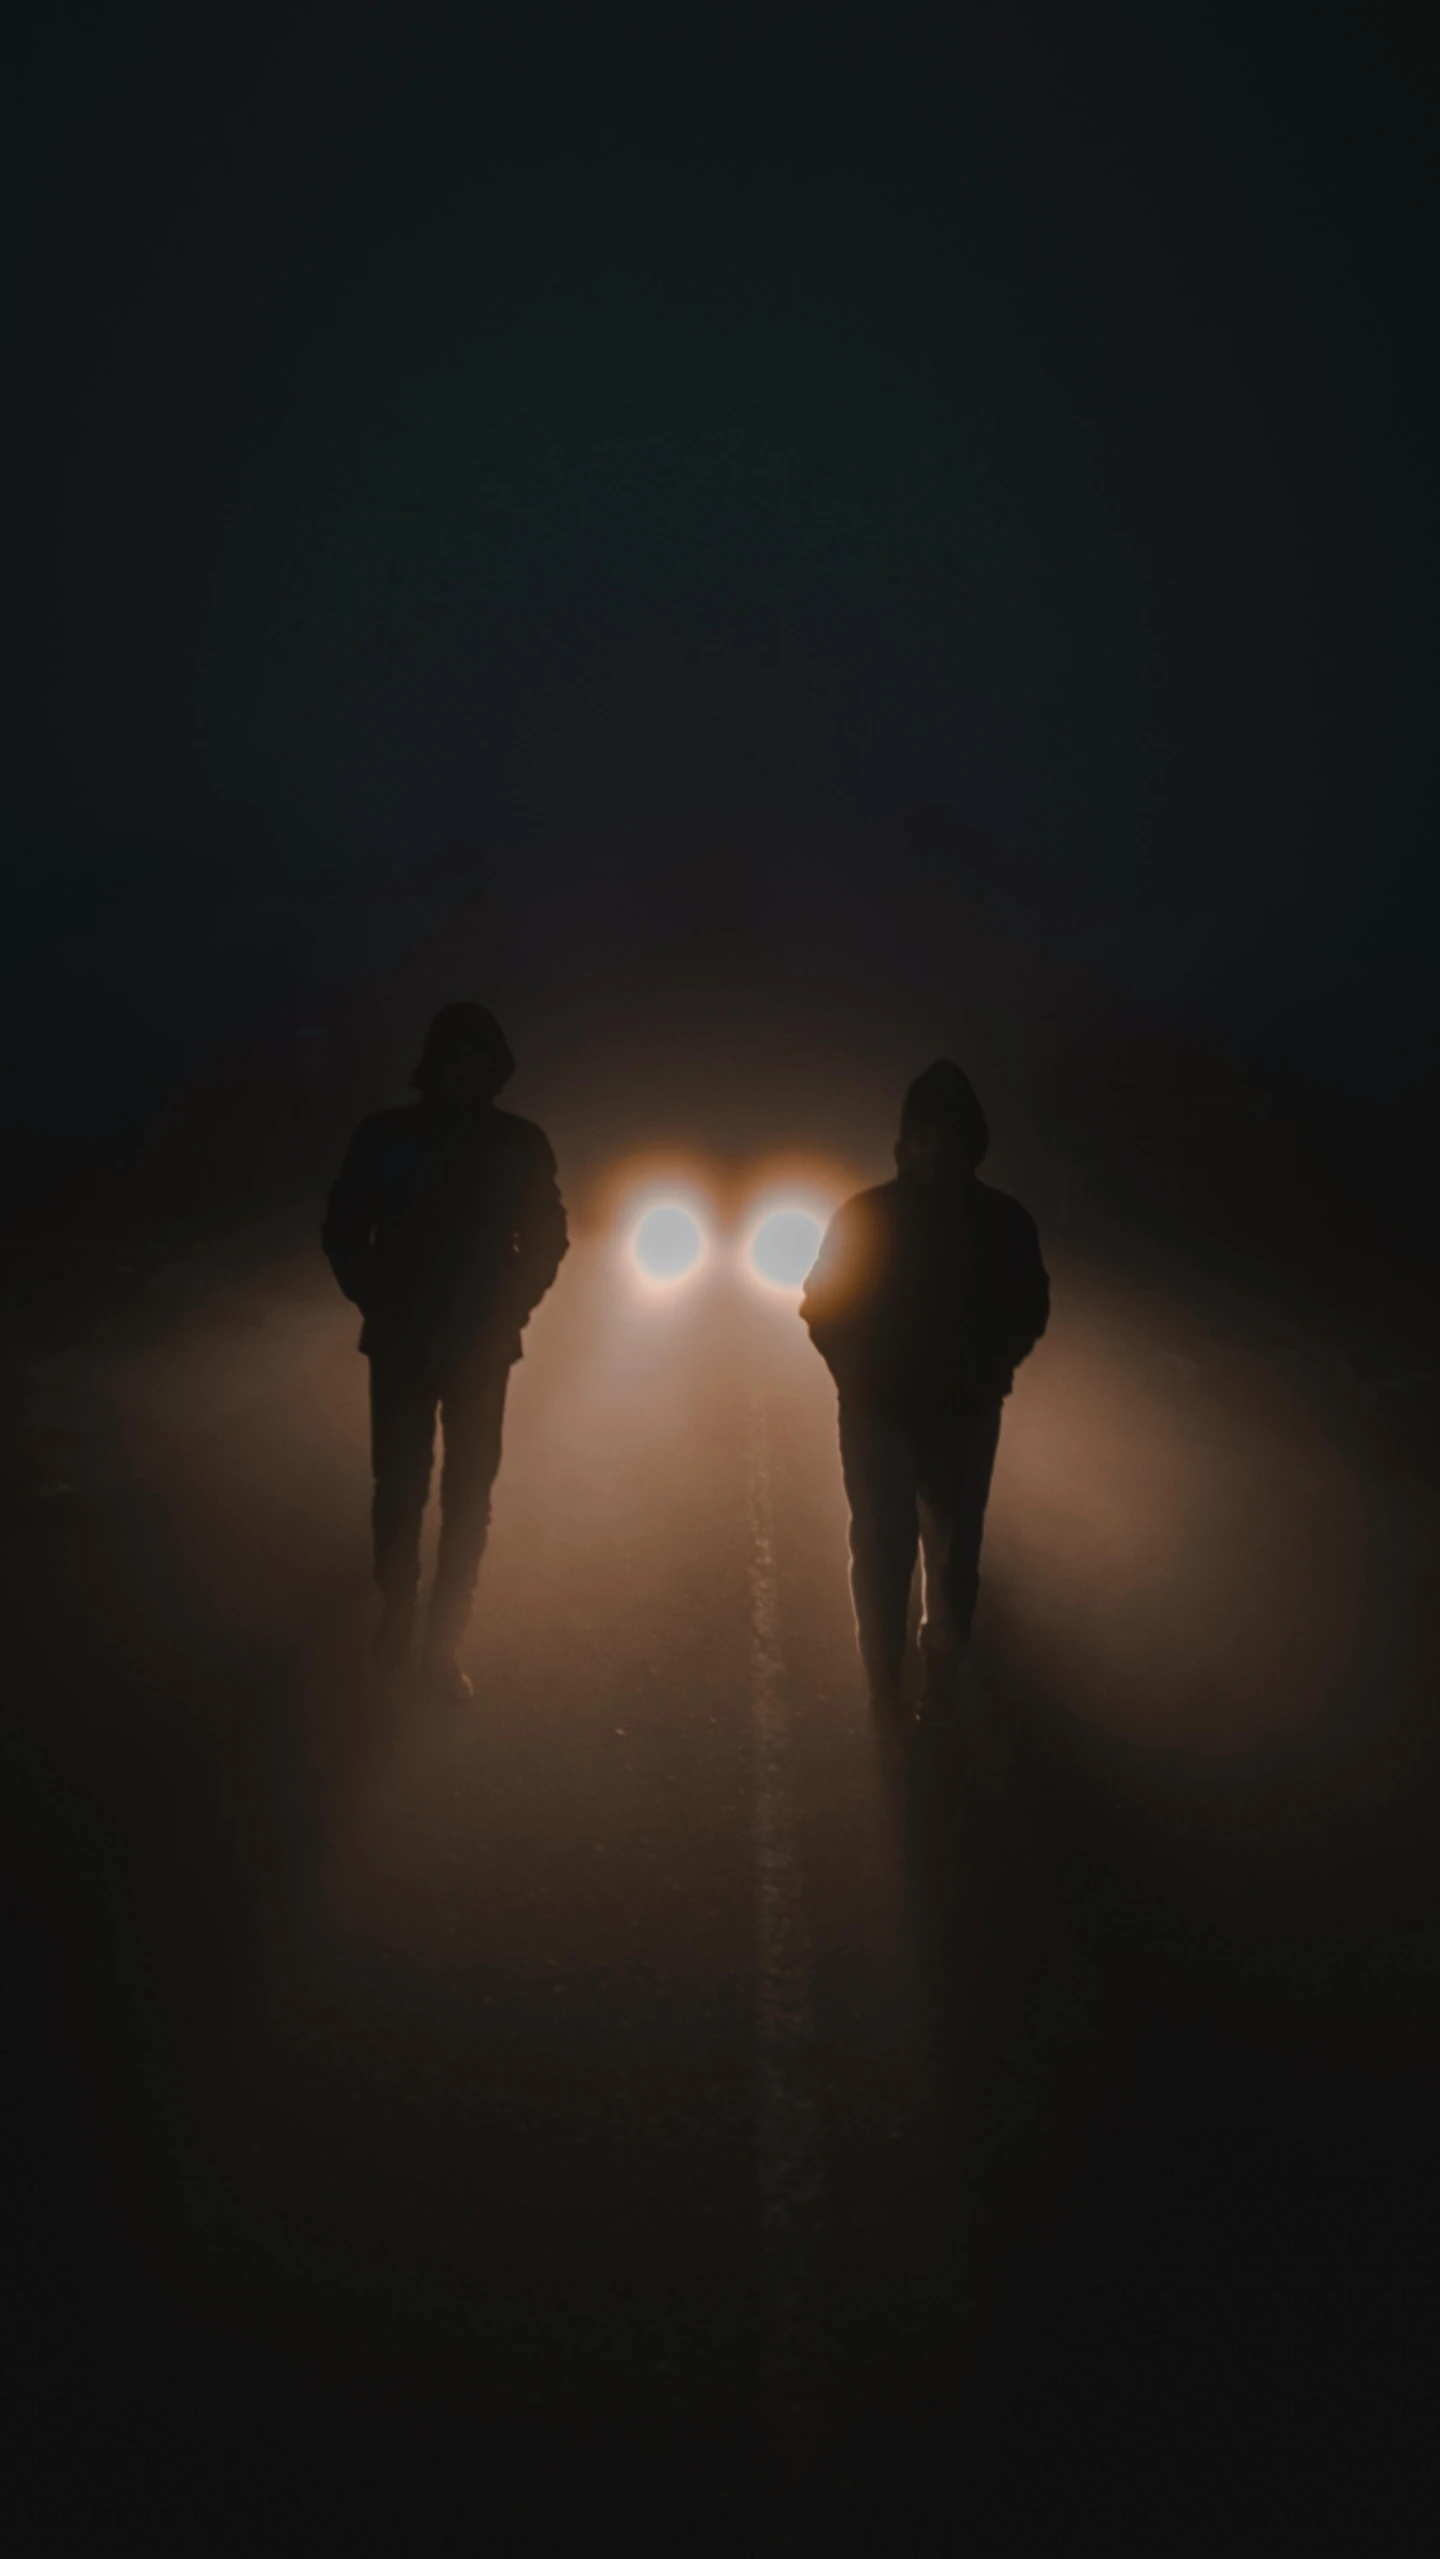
(669, 1242)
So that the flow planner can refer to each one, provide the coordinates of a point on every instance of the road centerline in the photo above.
(789, 2157)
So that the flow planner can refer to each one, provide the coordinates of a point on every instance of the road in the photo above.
(648, 2107)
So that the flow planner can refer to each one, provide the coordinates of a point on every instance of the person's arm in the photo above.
(541, 1237)
(829, 1304)
(1025, 1295)
(348, 1232)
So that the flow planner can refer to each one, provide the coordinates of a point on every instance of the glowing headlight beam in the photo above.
(782, 1249)
(668, 1243)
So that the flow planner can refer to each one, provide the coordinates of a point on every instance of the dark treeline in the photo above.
(184, 1024)
(189, 1029)
(1255, 1142)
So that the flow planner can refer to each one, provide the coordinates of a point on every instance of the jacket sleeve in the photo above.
(349, 1229)
(828, 1304)
(541, 1237)
(1025, 1296)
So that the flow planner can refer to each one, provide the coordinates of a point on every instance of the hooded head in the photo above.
(466, 1057)
(942, 1127)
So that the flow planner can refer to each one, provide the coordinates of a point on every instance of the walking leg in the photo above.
(957, 1460)
(473, 1414)
(878, 1463)
(402, 1448)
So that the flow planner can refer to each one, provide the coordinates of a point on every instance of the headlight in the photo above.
(667, 1243)
(782, 1249)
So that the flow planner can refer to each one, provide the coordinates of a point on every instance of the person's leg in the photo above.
(878, 1463)
(957, 1460)
(473, 1413)
(402, 1449)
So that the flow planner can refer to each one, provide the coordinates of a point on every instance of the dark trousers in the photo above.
(405, 1398)
(923, 1487)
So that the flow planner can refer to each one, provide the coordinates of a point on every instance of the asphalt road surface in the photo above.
(648, 2108)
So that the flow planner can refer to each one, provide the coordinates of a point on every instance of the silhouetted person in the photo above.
(925, 1296)
(446, 1228)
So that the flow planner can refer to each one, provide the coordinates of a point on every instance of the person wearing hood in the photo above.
(445, 1227)
(925, 1296)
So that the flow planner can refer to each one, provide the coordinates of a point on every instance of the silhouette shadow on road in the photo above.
(1182, 2025)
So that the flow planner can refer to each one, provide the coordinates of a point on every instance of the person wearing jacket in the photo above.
(445, 1227)
(925, 1296)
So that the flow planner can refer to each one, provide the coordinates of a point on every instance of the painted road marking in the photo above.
(791, 2176)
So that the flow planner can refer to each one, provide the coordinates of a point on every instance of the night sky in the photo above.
(797, 539)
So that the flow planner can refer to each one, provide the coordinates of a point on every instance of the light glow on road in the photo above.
(782, 1249)
(667, 1244)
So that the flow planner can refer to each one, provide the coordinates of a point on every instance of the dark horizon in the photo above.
(835, 552)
